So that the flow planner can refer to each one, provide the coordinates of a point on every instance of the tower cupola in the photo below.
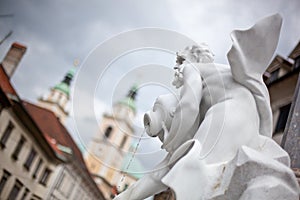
(58, 98)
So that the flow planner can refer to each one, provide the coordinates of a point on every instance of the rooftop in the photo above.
(5, 83)
(54, 131)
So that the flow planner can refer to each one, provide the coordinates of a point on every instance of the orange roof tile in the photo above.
(5, 83)
(56, 134)
(53, 130)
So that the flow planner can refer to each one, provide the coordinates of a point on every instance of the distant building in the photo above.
(108, 151)
(39, 158)
(73, 181)
(281, 79)
(71, 178)
(28, 159)
(58, 98)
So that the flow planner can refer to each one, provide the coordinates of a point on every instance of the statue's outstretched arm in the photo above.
(187, 111)
(148, 185)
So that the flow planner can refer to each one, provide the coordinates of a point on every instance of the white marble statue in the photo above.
(217, 132)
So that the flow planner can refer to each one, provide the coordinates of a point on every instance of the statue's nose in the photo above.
(150, 126)
(147, 120)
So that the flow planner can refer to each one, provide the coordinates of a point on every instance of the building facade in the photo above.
(108, 150)
(27, 159)
(39, 158)
(57, 99)
(71, 178)
(281, 80)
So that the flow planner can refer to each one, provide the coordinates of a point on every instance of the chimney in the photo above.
(12, 58)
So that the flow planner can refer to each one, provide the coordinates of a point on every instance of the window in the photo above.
(45, 177)
(35, 197)
(108, 131)
(297, 63)
(4, 179)
(282, 119)
(30, 158)
(37, 169)
(25, 194)
(15, 190)
(6, 134)
(59, 95)
(123, 142)
(18, 148)
(274, 75)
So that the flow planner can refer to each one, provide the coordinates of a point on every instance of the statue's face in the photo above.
(179, 60)
(153, 120)
(162, 113)
(178, 76)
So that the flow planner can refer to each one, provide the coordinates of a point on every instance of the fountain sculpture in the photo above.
(217, 132)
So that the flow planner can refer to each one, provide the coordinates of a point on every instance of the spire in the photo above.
(64, 85)
(130, 98)
(68, 77)
(133, 92)
(57, 100)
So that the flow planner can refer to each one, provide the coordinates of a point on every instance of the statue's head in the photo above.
(191, 54)
(162, 113)
(195, 54)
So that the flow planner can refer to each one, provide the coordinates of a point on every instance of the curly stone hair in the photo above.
(196, 54)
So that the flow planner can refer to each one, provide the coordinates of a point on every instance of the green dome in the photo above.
(129, 102)
(135, 87)
(72, 72)
(130, 98)
(63, 87)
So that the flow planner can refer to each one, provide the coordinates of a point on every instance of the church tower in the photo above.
(108, 149)
(58, 97)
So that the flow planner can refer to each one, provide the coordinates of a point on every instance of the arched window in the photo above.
(108, 131)
(123, 142)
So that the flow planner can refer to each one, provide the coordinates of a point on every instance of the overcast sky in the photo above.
(58, 32)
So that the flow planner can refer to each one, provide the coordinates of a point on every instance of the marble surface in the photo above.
(217, 131)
